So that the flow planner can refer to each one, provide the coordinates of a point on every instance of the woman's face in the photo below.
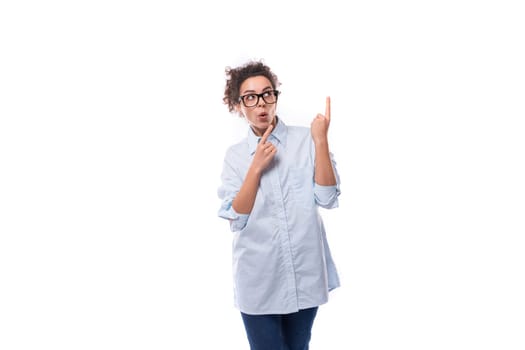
(262, 114)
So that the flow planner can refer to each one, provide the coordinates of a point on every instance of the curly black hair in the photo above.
(236, 76)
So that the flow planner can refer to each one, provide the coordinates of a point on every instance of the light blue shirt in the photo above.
(281, 259)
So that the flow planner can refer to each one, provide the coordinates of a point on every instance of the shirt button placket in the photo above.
(286, 248)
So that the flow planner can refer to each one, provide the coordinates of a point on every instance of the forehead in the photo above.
(257, 84)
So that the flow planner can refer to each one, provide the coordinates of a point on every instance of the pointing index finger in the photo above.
(327, 111)
(266, 134)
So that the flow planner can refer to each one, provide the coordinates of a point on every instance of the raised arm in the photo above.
(324, 173)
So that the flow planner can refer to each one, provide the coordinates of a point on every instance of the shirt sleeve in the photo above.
(327, 196)
(230, 184)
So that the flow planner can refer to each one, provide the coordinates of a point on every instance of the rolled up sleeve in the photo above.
(326, 196)
(237, 221)
(230, 184)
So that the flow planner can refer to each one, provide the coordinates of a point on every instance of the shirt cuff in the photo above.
(326, 196)
(237, 221)
(240, 222)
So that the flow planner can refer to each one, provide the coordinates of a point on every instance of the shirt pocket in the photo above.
(302, 186)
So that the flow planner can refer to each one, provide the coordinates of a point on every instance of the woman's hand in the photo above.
(264, 152)
(320, 124)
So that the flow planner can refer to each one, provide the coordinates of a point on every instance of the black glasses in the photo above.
(251, 100)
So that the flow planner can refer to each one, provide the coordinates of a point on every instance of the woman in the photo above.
(273, 182)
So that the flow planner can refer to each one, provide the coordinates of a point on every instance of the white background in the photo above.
(113, 131)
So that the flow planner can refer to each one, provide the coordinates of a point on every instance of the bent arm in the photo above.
(245, 198)
(264, 153)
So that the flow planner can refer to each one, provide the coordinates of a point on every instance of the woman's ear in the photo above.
(238, 110)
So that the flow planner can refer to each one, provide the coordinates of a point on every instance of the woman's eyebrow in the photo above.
(253, 91)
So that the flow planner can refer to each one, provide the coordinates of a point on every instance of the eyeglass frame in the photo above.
(259, 96)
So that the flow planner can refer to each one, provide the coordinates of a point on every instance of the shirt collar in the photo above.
(278, 135)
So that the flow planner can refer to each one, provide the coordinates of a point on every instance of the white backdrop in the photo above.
(112, 135)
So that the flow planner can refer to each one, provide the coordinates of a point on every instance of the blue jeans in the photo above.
(280, 332)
